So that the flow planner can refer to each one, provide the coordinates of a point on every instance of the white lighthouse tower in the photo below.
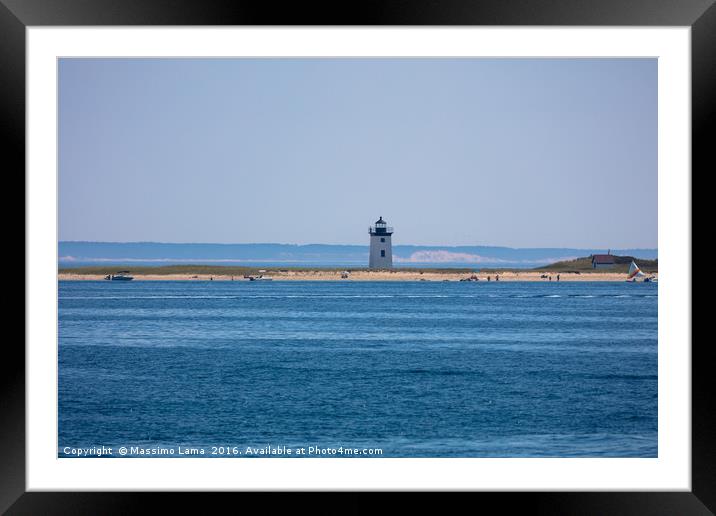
(381, 250)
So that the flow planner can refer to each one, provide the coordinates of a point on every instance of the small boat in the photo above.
(119, 276)
(260, 278)
(635, 272)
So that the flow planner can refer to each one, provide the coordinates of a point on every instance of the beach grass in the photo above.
(578, 266)
(584, 265)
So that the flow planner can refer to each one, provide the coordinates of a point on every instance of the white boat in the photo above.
(635, 272)
(260, 278)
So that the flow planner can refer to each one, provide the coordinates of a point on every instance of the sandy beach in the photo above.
(330, 275)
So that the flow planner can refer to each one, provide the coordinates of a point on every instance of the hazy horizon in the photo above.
(518, 153)
(73, 254)
(362, 244)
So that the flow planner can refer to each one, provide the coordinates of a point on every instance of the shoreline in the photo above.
(330, 275)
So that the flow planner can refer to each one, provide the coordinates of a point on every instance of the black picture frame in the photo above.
(700, 15)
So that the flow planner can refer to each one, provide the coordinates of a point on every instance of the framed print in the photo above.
(204, 315)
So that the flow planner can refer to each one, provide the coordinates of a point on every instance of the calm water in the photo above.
(413, 368)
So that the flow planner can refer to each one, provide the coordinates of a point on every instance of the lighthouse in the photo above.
(381, 250)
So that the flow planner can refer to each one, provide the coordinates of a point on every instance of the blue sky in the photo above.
(513, 152)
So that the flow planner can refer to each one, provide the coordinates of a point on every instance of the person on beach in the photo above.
(557, 277)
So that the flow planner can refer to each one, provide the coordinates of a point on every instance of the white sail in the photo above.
(634, 271)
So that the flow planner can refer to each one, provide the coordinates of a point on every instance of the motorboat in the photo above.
(119, 276)
(260, 278)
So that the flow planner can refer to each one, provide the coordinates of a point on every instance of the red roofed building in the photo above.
(602, 261)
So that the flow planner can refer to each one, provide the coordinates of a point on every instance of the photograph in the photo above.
(440, 248)
(357, 257)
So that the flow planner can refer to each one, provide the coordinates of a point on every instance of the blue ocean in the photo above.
(359, 369)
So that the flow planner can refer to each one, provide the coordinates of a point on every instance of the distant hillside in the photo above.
(585, 265)
(126, 254)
